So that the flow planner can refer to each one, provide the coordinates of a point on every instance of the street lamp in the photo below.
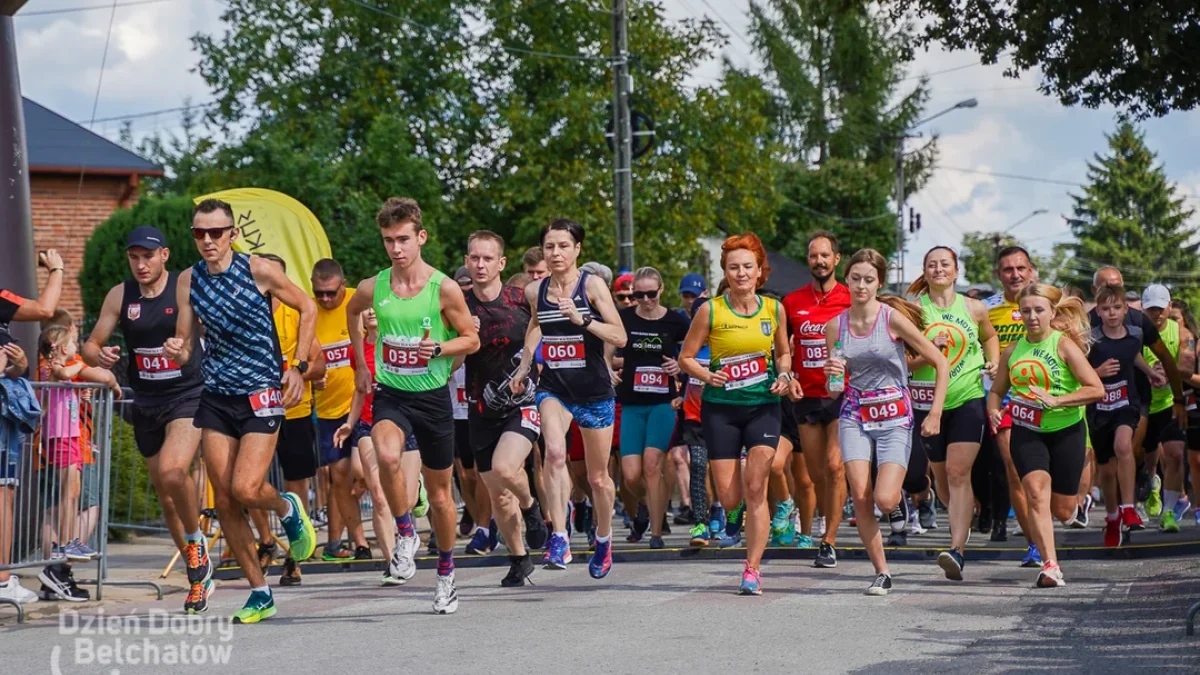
(1037, 212)
(965, 103)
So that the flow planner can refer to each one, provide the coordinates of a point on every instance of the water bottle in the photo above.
(837, 383)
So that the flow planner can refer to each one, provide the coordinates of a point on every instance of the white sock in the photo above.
(261, 589)
(561, 534)
(196, 536)
(290, 510)
(604, 539)
(1169, 499)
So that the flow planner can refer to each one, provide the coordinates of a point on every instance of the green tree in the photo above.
(977, 256)
(1129, 215)
(835, 71)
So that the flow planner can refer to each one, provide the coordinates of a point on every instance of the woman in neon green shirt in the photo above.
(1051, 381)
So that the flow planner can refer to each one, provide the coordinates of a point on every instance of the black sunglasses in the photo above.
(325, 294)
(214, 233)
(645, 295)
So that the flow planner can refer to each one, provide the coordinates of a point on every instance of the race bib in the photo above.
(922, 395)
(267, 403)
(745, 370)
(459, 403)
(337, 355)
(400, 357)
(813, 352)
(531, 420)
(563, 351)
(1189, 400)
(152, 366)
(650, 380)
(1027, 412)
(882, 409)
(1116, 395)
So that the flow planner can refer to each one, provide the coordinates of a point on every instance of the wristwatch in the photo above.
(587, 320)
(437, 350)
(302, 367)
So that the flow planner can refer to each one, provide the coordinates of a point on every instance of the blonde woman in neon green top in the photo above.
(1051, 381)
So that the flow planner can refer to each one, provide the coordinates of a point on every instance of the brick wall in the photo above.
(64, 217)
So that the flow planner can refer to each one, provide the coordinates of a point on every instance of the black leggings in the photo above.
(698, 465)
(989, 479)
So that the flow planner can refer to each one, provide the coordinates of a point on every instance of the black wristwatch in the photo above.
(437, 350)
(302, 367)
(587, 320)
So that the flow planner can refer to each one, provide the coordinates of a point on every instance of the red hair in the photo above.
(748, 241)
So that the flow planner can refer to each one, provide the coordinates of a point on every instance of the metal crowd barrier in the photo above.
(55, 497)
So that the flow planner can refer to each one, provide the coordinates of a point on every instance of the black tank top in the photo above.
(146, 324)
(502, 326)
(574, 368)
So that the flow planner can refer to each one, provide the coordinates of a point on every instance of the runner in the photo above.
(809, 309)
(534, 264)
(503, 427)
(423, 324)
(574, 319)
(867, 347)
(958, 326)
(750, 369)
(1051, 380)
(242, 406)
(1162, 429)
(647, 387)
(1112, 420)
(165, 395)
(691, 435)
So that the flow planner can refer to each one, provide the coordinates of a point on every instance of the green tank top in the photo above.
(963, 352)
(1038, 365)
(402, 324)
(1161, 398)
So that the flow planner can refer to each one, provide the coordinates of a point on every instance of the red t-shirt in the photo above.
(368, 416)
(808, 310)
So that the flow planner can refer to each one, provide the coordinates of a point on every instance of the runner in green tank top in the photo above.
(1162, 430)
(1051, 380)
(960, 327)
(424, 324)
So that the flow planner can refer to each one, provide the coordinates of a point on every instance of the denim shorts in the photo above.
(10, 468)
(592, 415)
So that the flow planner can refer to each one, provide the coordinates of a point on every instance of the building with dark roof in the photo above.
(76, 180)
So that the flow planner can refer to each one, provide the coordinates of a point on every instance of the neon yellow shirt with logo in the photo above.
(333, 401)
(1161, 398)
(287, 326)
(744, 346)
(402, 324)
(962, 351)
(1038, 365)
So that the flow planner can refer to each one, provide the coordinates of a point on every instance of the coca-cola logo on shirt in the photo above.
(809, 328)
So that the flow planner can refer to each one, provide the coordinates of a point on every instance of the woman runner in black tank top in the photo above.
(146, 323)
(575, 370)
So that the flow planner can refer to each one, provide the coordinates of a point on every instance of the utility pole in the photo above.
(900, 212)
(623, 136)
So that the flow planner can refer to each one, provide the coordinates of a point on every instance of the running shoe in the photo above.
(781, 519)
(685, 516)
(402, 566)
(558, 553)
(818, 527)
(260, 605)
(897, 539)
(999, 530)
(480, 544)
(302, 538)
(422, 505)
(952, 564)
(751, 581)
(881, 586)
(13, 591)
(199, 566)
(520, 568)
(600, 563)
(389, 580)
(578, 513)
(1182, 506)
(79, 551)
(1051, 576)
(320, 517)
(716, 520)
(656, 543)
(1131, 520)
(334, 551)
(466, 524)
(898, 518)
(733, 523)
(1114, 535)
(291, 573)
(535, 527)
(700, 536)
(914, 523)
(1085, 513)
(445, 597)
(641, 523)
(1167, 522)
(362, 553)
(826, 556)
(804, 541)
(61, 584)
(68, 551)
(197, 597)
(1154, 498)
(266, 555)
(730, 541)
(926, 515)
(1032, 557)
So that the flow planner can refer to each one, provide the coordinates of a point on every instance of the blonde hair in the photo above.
(648, 273)
(908, 310)
(920, 285)
(1070, 317)
(52, 337)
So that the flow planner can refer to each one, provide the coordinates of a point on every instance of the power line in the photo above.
(729, 26)
(112, 17)
(974, 64)
(151, 113)
(845, 220)
(997, 174)
(88, 8)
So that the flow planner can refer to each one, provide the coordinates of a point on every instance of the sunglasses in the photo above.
(645, 295)
(624, 297)
(325, 294)
(214, 233)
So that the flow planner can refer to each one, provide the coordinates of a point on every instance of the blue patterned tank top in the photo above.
(241, 350)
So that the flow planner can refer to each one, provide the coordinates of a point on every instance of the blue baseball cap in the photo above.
(692, 283)
(147, 237)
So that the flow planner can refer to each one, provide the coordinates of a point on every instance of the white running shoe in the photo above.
(818, 526)
(402, 565)
(13, 590)
(445, 598)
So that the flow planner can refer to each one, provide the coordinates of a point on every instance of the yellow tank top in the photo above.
(744, 346)
(1006, 319)
(334, 400)
(287, 327)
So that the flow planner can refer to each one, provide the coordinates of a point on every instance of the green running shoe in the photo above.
(422, 506)
(805, 541)
(259, 606)
(700, 536)
(733, 523)
(1168, 523)
(302, 537)
(1154, 499)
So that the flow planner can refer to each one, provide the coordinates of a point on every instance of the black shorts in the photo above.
(233, 416)
(485, 433)
(150, 424)
(789, 425)
(296, 449)
(1161, 427)
(818, 410)
(728, 429)
(1060, 453)
(1102, 428)
(462, 444)
(424, 415)
(964, 424)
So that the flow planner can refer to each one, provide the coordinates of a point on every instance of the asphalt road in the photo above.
(1115, 616)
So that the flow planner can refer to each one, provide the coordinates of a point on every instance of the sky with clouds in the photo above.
(1014, 130)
